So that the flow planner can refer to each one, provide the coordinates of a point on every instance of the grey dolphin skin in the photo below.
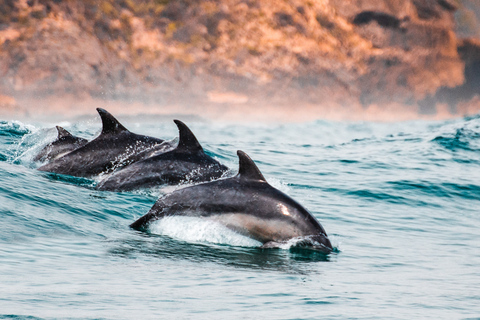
(65, 143)
(246, 204)
(187, 162)
(113, 148)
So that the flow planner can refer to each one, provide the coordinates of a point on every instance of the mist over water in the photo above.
(399, 202)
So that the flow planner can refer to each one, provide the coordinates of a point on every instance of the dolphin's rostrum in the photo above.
(246, 204)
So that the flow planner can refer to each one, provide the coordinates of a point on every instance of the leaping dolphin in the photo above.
(113, 148)
(246, 204)
(65, 143)
(187, 162)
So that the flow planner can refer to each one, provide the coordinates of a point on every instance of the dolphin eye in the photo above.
(283, 209)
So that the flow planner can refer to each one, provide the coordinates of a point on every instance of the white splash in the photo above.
(194, 229)
(279, 184)
(32, 143)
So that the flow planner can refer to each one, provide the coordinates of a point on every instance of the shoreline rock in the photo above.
(327, 57)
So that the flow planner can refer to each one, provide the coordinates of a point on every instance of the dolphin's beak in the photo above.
(322, 243)
(319, 243)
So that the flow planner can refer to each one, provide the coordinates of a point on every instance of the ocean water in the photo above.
(400, 202)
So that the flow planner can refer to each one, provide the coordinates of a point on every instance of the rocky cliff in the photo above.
(229, 58)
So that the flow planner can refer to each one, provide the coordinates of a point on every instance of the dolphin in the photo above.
(113, 148)
(187, 162)
(247, 204)
(64, 143)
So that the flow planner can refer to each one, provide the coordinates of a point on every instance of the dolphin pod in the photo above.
(244, 203)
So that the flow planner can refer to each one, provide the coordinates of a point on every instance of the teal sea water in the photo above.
(400, 202)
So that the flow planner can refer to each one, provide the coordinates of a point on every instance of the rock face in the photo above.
(340, 54)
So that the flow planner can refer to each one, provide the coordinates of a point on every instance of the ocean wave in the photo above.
(439, 189)
(14, 128)
(464, 135)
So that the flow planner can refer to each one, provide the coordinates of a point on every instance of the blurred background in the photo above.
(268, 60)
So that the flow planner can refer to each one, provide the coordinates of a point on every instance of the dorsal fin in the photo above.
(187, 140)
(247, 169)
(62, 133)
(109, 123)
